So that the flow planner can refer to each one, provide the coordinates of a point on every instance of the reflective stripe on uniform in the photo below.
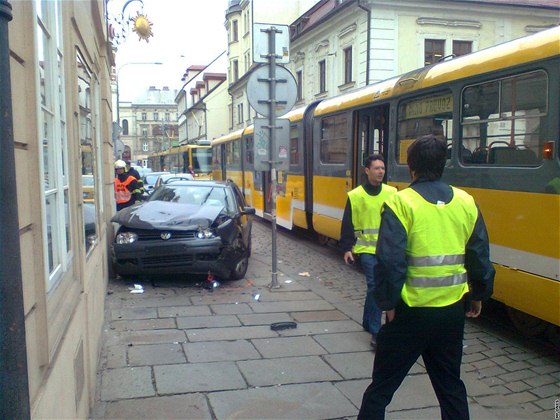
(452, 280)
(435, 260)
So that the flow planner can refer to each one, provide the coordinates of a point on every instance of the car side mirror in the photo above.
(249, 211)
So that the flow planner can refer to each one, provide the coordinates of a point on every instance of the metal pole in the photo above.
(272, 123)
(14, 388)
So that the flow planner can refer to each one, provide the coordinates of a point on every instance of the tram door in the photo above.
(267, 192)
(372, 137)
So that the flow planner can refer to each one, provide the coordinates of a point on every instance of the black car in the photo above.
(195, 227)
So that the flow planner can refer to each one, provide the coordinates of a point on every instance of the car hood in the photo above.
(167, 215)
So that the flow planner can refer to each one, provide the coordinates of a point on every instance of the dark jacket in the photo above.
(390, 271)
(132, 187)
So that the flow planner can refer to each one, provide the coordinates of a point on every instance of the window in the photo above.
(144, 116)
(156, 116)
(125, 127)
(322, 77)
(334, 138)
(294, 145)
(501, 120)
(239, 113)
(234, 31)
(462, 48)
(235, 70)
(145, 147)
(144, 132)
(434, 50)
(299, 79)
(431, 114)
(348, 65)
(167, 116)
(54, 154)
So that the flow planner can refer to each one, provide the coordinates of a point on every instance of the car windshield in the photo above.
(205, 195)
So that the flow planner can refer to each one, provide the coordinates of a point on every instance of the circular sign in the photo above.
(258, 90)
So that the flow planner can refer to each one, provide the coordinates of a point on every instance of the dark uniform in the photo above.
(432, 239)
(126, 190)
(139, 181)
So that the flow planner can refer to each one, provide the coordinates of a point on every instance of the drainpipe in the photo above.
(368, 43)
(14, 387)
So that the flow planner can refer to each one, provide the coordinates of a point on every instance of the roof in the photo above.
(528, 3)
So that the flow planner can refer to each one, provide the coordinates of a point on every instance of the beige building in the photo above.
(202, 104)
(59, 65)
(148, 124)
(240, 17)
(338, 46)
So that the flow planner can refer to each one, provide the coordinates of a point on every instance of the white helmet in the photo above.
(119, 164)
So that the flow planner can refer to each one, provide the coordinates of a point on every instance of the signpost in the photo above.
(271, 90)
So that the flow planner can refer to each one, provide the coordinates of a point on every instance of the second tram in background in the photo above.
(498, 109)
(179, 159)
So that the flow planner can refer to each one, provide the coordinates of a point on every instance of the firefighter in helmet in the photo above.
(126, 187)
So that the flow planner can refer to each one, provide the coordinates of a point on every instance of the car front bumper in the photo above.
(193, 256)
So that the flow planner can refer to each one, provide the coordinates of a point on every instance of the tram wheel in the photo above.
(527, 324)
(323, 240)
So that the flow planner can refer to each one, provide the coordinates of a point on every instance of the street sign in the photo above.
(258, 90)
(262, 142)
(260, 42)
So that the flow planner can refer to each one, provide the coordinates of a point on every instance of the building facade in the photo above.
(59, 65)
(339, 46)
(149, 124)
(202, 105)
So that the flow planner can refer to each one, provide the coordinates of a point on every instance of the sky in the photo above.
(185, 33)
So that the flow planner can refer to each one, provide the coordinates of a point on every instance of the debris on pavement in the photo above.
(138, 288)
(304, 274)
(283, 325)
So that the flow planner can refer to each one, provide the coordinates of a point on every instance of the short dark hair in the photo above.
(427, 157)
(371, 158)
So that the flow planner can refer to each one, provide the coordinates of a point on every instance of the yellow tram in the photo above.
(498, 110)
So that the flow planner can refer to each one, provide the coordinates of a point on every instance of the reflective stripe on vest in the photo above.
(436, 240)
(122, 194)
(366, 217)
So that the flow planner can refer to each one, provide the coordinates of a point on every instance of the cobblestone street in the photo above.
(526, 371)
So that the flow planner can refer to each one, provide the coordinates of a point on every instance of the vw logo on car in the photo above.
(165, 236)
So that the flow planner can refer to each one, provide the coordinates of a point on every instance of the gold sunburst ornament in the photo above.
(143, 27)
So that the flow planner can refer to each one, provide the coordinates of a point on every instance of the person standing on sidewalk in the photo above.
(358, 234)
(433, 253)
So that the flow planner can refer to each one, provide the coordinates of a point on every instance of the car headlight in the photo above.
(126, 238)
(205, 233)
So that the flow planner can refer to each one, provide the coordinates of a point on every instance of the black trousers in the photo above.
(436, 334)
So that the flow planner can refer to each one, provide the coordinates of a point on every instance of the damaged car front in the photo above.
(186, 227)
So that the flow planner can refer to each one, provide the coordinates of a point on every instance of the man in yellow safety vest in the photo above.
(433, 252)
(358, 233)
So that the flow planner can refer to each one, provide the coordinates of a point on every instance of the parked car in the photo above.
(150, 180)
(186, 227)
(165, 179)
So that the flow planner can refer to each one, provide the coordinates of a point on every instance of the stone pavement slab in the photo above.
(133, 382)
(197, 377)
(220, 351)
(287, 370)
(287, 346)
(193, 406)
(305, 401)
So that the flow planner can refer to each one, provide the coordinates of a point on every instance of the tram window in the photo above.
(249, 149)
(232, 153)
(334, 139)
(431, 114)
(294, 145)
(501, 120)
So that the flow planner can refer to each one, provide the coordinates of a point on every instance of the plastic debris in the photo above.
(138, 288)
(288, 281)
(257, 297)
(283, 325)
(304, 274)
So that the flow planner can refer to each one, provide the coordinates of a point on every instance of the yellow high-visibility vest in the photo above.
(366, 217)
(437, 237)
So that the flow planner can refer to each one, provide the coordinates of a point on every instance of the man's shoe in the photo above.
(373, 342)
